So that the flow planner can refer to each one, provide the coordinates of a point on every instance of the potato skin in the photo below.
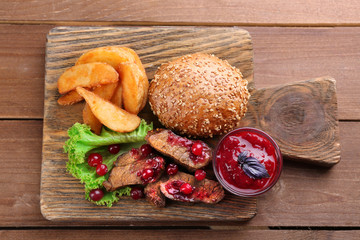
(133, 91)
(88, 75)
(112, 55)
(135, 86)
(109, 114)
(198, 95)
(106, 92)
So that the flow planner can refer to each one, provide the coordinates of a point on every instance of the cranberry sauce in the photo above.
(152, 169)
(153, 165)
(257, 145)
(174, 189)
(195, 156)
(141, 153)
(135, 153)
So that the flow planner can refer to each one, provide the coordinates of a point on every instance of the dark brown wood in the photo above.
(281, 56)
(20, 142)
(22, 61)
(285, 55)
(323, 196)
(62, 196)
(267, 12)
(301, 117)
(177, 234)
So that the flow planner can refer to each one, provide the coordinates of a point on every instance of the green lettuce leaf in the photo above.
(110, 198)
(81, 137)
(87, 175)
(82, 140)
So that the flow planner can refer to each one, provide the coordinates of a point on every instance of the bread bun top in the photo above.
(198, 95)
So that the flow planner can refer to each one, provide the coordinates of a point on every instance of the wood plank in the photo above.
(22, 201)
(301, 117)
(281, 55)
(177, 234)
(22, 60)
(324, 197)
(62, 195)
(304, 196)
(284, 55)
(266, 12)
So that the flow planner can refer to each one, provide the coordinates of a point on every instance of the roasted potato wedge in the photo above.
(90, 119)
(70, 98)
(117, 97)
(137, 60)
(106, 92)
(109, 114)
(87, 75)
(73, 97)
(112, 55)
(118, 56)
(135, 87)
(141, 66)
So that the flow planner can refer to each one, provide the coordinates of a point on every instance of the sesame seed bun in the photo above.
(198, 95)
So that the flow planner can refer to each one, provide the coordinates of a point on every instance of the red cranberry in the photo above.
(136, 193)
(197, 148)
(101, 169)
(94, 159)
(114, 148)
(147, 173)
(172, 169)
(135, 153)
(96, 194)
(186, 188)
(200, 174)
(145, 150)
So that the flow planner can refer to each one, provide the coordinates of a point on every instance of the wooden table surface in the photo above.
(292, 40)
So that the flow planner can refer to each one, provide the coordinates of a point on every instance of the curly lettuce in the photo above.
(110, 198)
(83, 142)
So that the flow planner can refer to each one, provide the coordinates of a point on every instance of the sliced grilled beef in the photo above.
(206, 191)
(153, 193)
(130, 169)
(179, 149)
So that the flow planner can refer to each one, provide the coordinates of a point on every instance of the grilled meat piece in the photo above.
(179, 149)
(206, 191)
(131, 168)
(153, 193)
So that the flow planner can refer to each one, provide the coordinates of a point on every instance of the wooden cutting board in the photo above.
(302, 117)
(62, 196)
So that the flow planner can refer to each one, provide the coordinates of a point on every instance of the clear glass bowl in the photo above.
(273, 178)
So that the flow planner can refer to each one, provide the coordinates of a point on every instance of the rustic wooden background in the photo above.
(292, 40)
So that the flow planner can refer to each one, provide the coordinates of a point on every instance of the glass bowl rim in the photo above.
(278, 171)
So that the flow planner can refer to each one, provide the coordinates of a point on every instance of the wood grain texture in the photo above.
(22, 59)
(265, 12)
(177, 234)
(62, 196)
(301, 117)
(20, 142)
(281, 55)
(285, 55)
(322, 196)
(305, 195)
